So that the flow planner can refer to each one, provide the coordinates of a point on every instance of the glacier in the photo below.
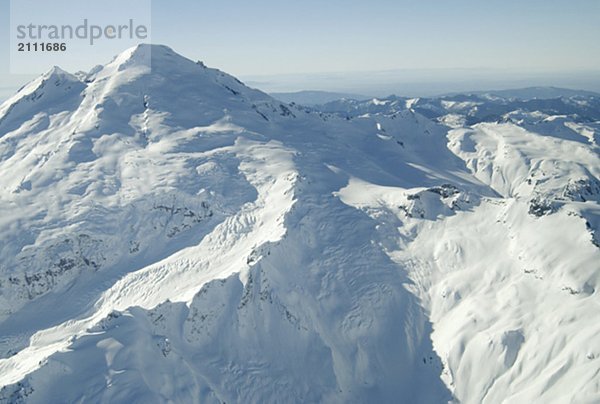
(171, 235)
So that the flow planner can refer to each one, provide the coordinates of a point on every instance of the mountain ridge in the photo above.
(184, 237)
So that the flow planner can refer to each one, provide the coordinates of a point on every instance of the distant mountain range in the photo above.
(542, 93)
(312, 98)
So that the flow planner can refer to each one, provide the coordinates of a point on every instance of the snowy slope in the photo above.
(510, 282)
(173, 235)
(579, 107)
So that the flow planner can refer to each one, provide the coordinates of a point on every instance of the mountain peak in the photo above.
(144, 77)
(57, 71)
(47, 93)
(164, 222)
(157, 49)
(145, 53)
(55, 74)
(150, 56)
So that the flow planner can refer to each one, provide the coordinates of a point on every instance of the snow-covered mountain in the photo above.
(171, 235)
(311, 98)
(531, 93)
(474, 108)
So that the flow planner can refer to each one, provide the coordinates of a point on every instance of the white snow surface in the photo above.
(171, 235)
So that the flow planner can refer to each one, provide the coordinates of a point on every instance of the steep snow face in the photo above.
(103, 157)
(514, 310)
(510, 281)
(173, 235)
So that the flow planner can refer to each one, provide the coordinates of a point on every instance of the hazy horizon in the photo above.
(423, 82)
(376, 48)
(401, 82)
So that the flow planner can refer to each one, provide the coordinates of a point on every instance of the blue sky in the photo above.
(264, 36)
(279, 39)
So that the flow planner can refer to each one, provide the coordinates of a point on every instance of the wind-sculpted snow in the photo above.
(172, 235)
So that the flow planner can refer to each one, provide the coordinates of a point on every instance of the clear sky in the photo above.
(251, 38)
(273, 37)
